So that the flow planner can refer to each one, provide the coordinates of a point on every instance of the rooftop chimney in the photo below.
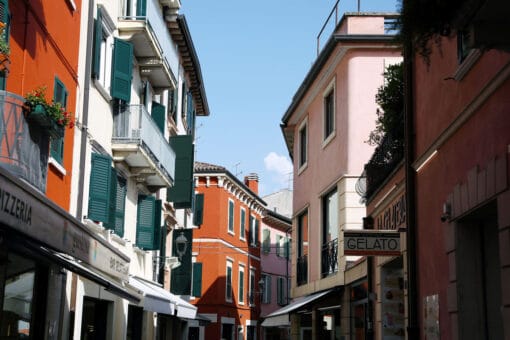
(252, 182)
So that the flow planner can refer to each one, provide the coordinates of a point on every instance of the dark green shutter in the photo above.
(99, 191)
(120, 202)
(198, 214)
(250, 231)
(242, 224)
(230, 216)
(145, 222)
(158, 113)
(182, 191)
(121, 70)
(98, 39)
(196, 290)
(113, 200)
(181, 276)
(141, 8)
(257, 226)
(57, 144)
(157, 224)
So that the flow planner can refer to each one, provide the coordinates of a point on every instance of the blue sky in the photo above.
(254, 55)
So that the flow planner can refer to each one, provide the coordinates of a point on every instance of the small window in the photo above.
(303, 141)
(228, 282)
(329, 114)
(266, 292)
(240, 298)
(231, 216)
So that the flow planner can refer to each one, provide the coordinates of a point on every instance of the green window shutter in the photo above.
(98, 38)
(266, 242)
(180, 283)
(141, 8)
(182, 191)
(197, 280)
(157, 224)
(121, 70)
(100, 186)
(242, 222)
(158, 113)
(145, 222)
(57, 145)
(250, 232)
(198, 214)
(120, 202)
(241, 286)
(113, 200)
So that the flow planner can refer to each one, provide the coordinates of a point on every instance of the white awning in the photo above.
(185, 309)
(280, 317)
(155, 298)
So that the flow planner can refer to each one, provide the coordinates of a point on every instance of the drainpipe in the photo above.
(85, 110)
(412, 302)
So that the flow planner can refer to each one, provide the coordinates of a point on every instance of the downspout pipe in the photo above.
(85, 110)
(413, 329)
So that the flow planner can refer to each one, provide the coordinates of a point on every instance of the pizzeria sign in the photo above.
(371, 243)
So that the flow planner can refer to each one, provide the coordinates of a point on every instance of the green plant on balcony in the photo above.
(46, 114)
(4, 44)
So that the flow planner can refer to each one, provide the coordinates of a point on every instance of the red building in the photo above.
(458, 170)
(228, 247)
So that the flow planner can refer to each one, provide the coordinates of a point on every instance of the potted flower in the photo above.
(4, 48)
(52, 117)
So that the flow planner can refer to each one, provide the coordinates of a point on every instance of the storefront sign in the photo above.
(33, 215)
(371, 242)
(394, 216)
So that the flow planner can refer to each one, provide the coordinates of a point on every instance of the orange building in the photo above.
(228, 247)
(43, 42)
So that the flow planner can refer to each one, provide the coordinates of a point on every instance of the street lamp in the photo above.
(181, 243)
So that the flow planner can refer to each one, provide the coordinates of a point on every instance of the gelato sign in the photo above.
(371, 243)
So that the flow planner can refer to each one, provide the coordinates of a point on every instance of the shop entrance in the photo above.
(95, 315)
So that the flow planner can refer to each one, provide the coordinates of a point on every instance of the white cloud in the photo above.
(280, 165)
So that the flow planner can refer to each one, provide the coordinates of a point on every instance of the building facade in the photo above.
(228, 248)
(459, 172)
(325, 129)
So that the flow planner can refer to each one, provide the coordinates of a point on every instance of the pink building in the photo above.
(325, 129)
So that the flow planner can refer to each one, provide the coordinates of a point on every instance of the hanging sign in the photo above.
(371, 243)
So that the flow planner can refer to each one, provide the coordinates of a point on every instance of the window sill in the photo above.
(102, 90)
(72, 4)
(57, 166)
(302, 168)
(231, 233)
(329, 139)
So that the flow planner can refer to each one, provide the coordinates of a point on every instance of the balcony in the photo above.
(153, 47)
(24, 148)
(139, 144)
(329, 258)
(302, 270)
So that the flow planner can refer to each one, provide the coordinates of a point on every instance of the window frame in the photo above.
(240, 285)
(231, 215)
(303, 145)
(329, 113)
(266, 293)
(252, 287)
(103, 79)
(228, 284)
(242, 224)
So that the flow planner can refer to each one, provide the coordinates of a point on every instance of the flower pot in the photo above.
(37, 115)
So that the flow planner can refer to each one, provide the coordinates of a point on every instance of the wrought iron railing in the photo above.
(134, 125)
(329, 258)
(384, 160)
(23, 148)
(302, 270)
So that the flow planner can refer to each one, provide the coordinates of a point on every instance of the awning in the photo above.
(155, 298)
(185, 309)
(280, 317)
(88, 272)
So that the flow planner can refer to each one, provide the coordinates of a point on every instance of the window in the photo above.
(330, 233)
(57, 144)
(279, 245)
(288, 245)
(242, 224)
(329, 113)
(303, 141)
(281, 291)
(240, 298)
(107, 194)
(252, 286)
(463, 47)
(302, 248)
(231, 216)
(266, 241)
(266, 292)
(103, 52)
(228, 283)
(254, 231)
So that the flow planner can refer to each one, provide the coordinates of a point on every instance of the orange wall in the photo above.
(44, 40)
(213, 255)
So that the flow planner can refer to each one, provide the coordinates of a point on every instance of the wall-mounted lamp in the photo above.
(181, 244)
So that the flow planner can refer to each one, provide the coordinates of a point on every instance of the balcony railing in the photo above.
(329, 258)
(384, 160)
(157, 32)
(302, 270)
(138, 141)
(23, 149)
